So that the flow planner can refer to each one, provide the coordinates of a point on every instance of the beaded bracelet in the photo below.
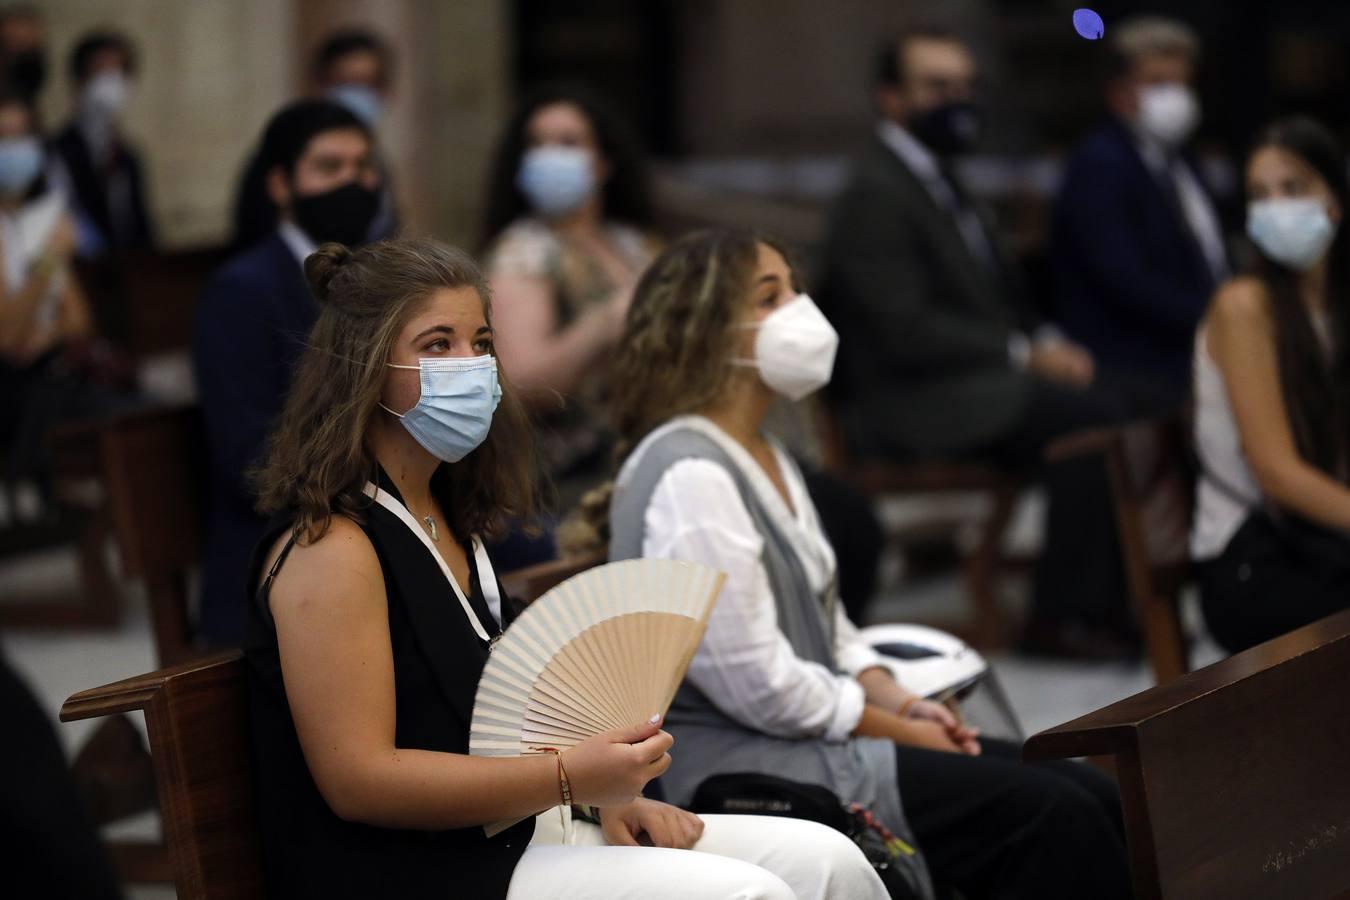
(905, 707)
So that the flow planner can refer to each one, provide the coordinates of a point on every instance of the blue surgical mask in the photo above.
(20, 163)
(454, 413)
(1294, 232)
(556, 180)
(361, 100)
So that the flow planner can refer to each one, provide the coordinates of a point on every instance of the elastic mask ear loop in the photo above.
(746, 363)
(387, 409)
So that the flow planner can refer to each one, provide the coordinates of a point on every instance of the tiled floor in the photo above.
(57, 664)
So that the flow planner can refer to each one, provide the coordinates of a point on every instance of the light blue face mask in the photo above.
(454, 413)
(362, 101)
(20, 163)
(1293, 231)
(556, 180)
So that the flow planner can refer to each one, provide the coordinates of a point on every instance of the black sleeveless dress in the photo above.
(307, 850)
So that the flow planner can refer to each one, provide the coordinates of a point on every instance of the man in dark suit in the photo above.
(940, 353)
(253, 320)
(102, 173)
(1137, 246)
(354, 68)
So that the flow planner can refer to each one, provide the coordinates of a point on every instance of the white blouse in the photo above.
(745, 664)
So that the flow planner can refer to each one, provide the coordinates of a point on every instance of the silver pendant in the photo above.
(431, 524)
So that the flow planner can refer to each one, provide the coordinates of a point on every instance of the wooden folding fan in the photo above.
(603, 650)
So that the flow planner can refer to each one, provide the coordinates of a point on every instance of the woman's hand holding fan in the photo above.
(594, 656)
(611, 769)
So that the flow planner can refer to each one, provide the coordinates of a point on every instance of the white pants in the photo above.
(738, 858)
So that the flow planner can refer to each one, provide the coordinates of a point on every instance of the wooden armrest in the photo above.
(1116, 727)
(526, 585)
(134, 693)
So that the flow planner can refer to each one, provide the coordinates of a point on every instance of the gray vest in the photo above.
(707, 741)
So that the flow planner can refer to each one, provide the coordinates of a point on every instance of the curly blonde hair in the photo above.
(317, 460)
(676, 353)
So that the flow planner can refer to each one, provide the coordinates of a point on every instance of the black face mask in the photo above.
(949, 129)
(28, 72)
(343, 214)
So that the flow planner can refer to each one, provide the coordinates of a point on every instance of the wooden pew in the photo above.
(877, 479)
(1234, 778)
(153, 463)
(1154, 577)
(197, 718)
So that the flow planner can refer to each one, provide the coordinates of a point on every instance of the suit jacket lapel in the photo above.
(939, 224)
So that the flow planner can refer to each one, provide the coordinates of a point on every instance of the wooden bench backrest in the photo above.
(197, 718)
(1234, 778)
(153, 464)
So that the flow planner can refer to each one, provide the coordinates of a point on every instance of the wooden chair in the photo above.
(197, 718)
(1233, 778)
(87, 524)
(152, 463)
(1154, 581)
(987, 561)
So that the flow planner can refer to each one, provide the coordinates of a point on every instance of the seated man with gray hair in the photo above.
(1137, 246)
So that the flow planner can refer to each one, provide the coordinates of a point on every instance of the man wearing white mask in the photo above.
(1137, 245)
(102, 174)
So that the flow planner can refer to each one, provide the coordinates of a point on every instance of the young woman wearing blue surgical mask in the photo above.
(1272, 386)
(783, 683)
(566, 237)
(41, 306)
(374, 608)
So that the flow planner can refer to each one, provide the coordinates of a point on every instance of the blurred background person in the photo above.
(253, 319)
(945, 357)
(1272, 386)
(567, 230)
(47, 361)
(102, 173)
(1137, 244)
(353, 68)
(23, 49)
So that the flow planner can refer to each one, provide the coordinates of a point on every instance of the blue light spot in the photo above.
(1088, 24)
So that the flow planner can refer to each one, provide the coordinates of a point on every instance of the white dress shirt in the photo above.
(300, 244)
(745, 664)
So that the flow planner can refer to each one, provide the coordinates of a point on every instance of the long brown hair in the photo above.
(1316, 389)
(318, 461)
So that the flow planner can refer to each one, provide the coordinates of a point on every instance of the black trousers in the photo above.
(993, 827)
(1259, 589)
(851, 524)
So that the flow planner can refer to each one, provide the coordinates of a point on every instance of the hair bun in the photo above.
(322, 265)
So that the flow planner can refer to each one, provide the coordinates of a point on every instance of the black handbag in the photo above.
(754, 793)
